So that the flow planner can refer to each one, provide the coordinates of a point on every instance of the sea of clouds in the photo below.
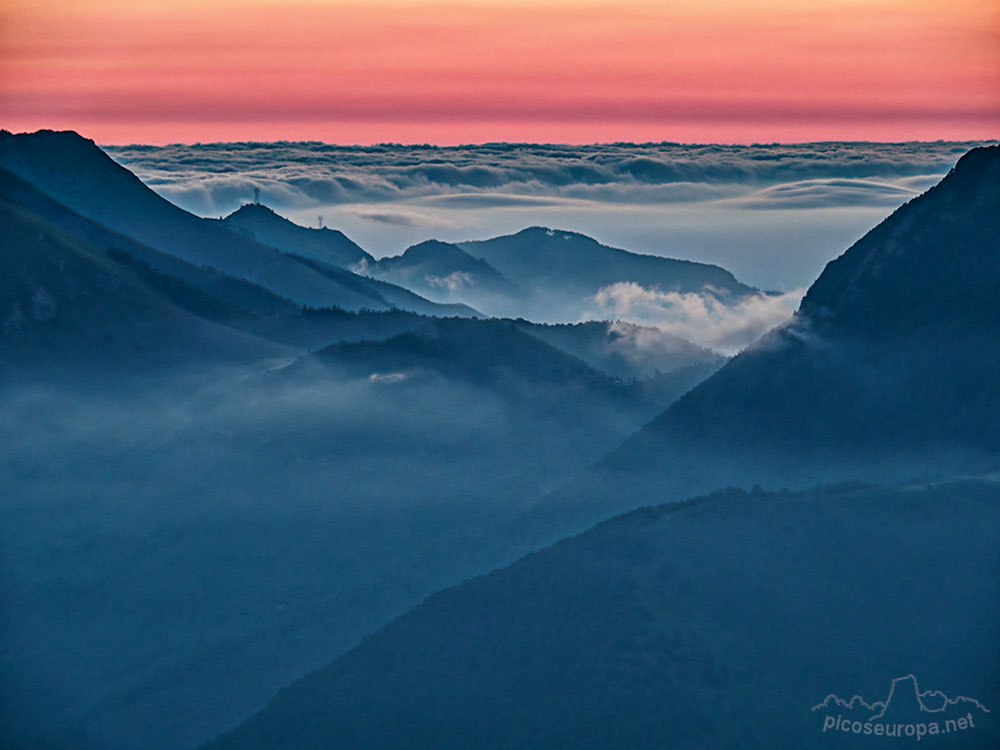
(772, 214)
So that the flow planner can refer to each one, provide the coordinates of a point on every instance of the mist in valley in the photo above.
(237, 456)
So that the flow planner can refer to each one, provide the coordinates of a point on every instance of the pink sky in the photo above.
(415, 71)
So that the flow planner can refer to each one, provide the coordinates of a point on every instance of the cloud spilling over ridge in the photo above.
(214, 178)
(701, 318)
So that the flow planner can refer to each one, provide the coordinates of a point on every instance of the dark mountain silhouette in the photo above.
(62, 299)
(931, 266)
(76, 173)
(262, 224)
(444, 272)
(205, 292)
(886, 372)
(558, 262)
(237, 292)
(502, 358)
(284, 512)
(687, 625)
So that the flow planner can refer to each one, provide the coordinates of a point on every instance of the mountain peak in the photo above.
(435, 251)
(268, 227)
(255, 209)
(65, 138)
(428, 247)
(59, 156)
(548, 233)
(934, 259)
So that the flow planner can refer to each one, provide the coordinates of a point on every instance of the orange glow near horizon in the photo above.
(551, 70)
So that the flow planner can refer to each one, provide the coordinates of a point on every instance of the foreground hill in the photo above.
(718, 623)
(887, 372)
(76, 173)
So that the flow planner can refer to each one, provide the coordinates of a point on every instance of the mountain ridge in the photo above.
(262, 224)
(76, 173)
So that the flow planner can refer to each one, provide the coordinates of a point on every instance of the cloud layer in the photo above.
(213, 178)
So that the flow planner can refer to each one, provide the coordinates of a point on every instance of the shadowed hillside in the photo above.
(717, 623)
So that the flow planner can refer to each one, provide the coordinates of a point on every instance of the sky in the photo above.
(426, 71)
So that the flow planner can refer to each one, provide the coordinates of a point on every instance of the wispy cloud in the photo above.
(453, 282)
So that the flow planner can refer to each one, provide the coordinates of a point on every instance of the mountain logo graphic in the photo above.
(906, 711)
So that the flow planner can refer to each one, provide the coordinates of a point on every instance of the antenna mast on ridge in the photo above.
(256, 196)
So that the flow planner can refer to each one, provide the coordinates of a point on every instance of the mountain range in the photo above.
(704, 623)
(543, 274)
(232, 449)
(303, 474)
(76, 173)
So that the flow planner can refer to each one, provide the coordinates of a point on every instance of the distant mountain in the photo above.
(326, 245)
(887, 372)
(76, 173)
(716, 623)
(556, 261)
(445, 272)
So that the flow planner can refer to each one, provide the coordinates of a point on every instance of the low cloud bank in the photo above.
(704, 319)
